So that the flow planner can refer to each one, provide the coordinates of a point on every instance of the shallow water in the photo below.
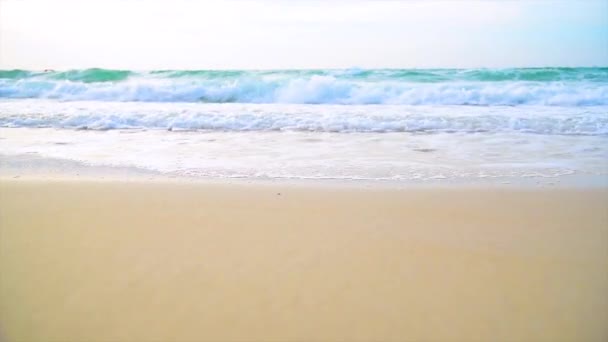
(315, 124)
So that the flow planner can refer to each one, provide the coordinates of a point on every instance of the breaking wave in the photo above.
(484, 87)
(592, 121)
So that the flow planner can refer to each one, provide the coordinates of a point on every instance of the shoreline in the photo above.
(33, 167)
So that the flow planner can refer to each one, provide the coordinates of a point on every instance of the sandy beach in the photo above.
(190, 261)
(303, 171)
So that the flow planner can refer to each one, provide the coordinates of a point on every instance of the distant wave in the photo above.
(486, 87)
(413, 75)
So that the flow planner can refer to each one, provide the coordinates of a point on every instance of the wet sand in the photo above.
(189, 261)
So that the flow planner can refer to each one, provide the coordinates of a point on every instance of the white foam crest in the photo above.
(316, 89)
(315, 118)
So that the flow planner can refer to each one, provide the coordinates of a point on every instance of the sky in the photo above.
(273, 34)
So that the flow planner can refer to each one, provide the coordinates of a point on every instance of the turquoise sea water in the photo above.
(535, 86)
(388, 124)
(413, 75)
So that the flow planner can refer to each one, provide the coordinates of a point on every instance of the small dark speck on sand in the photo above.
(425, 150)
(278, 194)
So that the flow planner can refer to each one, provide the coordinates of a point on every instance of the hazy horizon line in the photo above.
(315, 68)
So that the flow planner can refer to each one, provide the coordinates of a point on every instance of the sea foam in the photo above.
(97, 115)
(546, 86)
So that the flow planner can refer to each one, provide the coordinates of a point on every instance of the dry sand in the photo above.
(162, 261)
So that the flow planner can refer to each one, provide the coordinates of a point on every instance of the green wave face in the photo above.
(96, 75)
(13, 74)
(91, 75)
(537, 74)
(207, 74)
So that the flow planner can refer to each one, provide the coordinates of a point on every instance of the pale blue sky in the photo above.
(180, 34)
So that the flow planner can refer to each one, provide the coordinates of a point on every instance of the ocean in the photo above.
(352, 124)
